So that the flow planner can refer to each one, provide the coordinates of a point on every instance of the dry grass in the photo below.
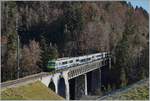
(32, 91)
(138, 92)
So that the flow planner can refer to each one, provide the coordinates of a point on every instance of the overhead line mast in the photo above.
(18, 54)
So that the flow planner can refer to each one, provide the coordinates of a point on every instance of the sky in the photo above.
(141, 3)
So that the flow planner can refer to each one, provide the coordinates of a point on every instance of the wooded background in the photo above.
(61, 29)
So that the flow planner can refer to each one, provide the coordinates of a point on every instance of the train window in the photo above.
(88, 59)
(83, 60)
(77, 60)
(64, 62)
(70, 61)
(98, 55)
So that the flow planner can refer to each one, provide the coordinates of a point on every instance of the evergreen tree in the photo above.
(53, 53)
(122, 57)
(11, 56)
(49, 52)
(44, 54)
(144, 64)
(73, 25)
(73, 17)
(123, 78)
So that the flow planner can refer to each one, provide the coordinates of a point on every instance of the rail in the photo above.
(24, 79)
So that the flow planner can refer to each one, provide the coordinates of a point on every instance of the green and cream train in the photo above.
(68, 62)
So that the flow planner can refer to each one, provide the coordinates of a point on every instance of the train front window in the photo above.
(51, 64)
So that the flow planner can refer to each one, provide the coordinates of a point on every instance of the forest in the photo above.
(52, 29)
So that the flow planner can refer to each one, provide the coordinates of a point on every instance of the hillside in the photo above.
(138, 91)
(50, 30)
(32, 91)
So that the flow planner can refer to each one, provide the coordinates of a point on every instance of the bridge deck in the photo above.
(82, 69)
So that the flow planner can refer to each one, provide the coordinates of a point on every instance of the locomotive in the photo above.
(68, 62)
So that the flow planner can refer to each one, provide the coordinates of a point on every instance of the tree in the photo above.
(73, 17)
(122, 58)
(123, 78)
(26, 60)
(109, 89)
(73, 25)
(8, 17)
(31, 56)
(53, 52)
(44, 53)
(11, 57)
(49, 52)
(144, 64)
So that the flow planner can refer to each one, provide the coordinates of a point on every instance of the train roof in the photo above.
(66, 58)
(59, 59)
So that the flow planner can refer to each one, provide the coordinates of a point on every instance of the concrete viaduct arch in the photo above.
(62, 87)
(58, 83)
(52, 86)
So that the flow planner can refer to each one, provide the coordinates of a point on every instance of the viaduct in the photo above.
(70, 83)
(74, 82)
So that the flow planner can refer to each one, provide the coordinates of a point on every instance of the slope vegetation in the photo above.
(139, 91)
(32, 91)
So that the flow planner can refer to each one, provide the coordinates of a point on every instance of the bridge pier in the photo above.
(79, 87)
(96, 81)
(67, 90)
(72, 88)
(85, 80)
(100, 78)
(55, 79)
(65, 75)
(89, 83)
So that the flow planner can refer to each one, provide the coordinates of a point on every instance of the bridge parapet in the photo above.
(17, 82)
(82, 69)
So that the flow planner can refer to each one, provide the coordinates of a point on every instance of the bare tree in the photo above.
(31, 57)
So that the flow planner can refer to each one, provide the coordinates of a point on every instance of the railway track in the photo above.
(21, 80)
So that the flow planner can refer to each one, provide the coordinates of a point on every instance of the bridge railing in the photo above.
(81, 69)
(27, 78)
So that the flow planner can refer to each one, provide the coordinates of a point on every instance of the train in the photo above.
(68, 62)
